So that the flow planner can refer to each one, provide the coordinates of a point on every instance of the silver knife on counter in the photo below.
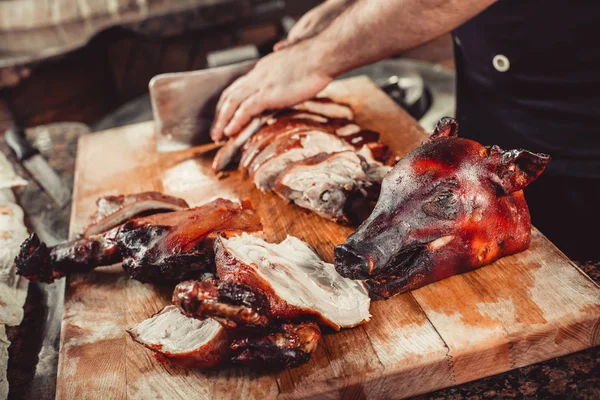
(37, 166)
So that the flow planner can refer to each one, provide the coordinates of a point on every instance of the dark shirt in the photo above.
(548, 99)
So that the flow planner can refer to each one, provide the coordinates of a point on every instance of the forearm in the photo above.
(370, 30)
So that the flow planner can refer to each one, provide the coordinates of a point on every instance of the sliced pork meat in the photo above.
(114, 210)
(290, 123)
(232, 304)
(288, 149)
(276, 123)
(295, 280)
(183, 341)
(326, 107)
(231, 149)
(323, 183)
(285, 345)
(160, 248)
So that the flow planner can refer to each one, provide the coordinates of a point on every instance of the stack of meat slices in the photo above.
(264, 310)
(313, 155)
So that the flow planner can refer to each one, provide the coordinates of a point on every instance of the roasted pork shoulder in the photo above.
(295, 280)
(161, 248)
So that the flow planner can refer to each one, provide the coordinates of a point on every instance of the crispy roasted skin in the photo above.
(285, 345)
(160, 248)
(232, 304)
(37, 262)
(450, 206)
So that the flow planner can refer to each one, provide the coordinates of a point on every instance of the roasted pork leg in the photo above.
(112, 211)
(161, 248)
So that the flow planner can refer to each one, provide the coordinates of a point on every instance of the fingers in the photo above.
(282, 44)
(251, 107)
(228, 103)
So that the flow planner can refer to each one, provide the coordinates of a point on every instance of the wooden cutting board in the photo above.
(522, 309)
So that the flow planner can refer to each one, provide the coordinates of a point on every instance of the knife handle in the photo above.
(15, 138)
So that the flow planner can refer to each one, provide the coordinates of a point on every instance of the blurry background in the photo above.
(68, 62)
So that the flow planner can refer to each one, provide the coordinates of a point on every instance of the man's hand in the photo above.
(278, 80)
(367, 31)
(313, 22)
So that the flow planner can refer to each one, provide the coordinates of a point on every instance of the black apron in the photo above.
(528, 76)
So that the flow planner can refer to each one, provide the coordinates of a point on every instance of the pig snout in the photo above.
(351, 264)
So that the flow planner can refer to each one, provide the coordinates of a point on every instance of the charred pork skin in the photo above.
(295, 280)
(323, 183)
(160, 248)
(183, 341)
(283, 346)
(450, 206)
(112, 211)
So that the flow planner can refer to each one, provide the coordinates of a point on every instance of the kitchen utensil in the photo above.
(37, 166)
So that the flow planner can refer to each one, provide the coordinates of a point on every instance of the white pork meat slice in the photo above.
(323, 183)
(289, 148)
(295, 280)
(183, 341)
(230, 150)
(293, 121)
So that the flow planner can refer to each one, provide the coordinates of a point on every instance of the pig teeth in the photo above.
(439, 242)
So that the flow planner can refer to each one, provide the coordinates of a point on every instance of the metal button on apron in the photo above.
(501, 63)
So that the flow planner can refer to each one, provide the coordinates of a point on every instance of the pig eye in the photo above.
(443, 205)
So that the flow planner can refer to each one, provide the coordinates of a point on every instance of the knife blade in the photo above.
(184, 103)
(37, 166)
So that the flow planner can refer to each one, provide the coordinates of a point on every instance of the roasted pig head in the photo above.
(450, 206)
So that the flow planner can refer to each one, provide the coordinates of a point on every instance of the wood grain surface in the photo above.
(520, 310)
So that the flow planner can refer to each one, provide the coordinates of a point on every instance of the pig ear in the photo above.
(516, 169)
(446, 127)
